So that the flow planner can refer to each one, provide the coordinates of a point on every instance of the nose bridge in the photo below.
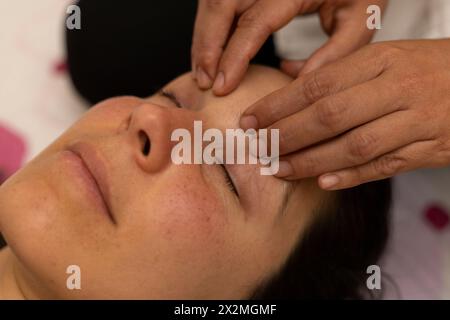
(152, 119)
(151, 129)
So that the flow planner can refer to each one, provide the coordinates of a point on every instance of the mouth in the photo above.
(95, 168)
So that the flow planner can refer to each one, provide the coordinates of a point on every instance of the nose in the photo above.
(150, 130)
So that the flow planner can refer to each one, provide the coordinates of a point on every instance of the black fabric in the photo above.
(134, 47)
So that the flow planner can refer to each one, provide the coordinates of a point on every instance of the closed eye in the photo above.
(171, 96)
(229, 181)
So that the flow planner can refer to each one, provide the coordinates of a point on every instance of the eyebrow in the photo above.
(171, 96)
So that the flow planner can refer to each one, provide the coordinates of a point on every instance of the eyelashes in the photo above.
(172, 97)
(229, 181)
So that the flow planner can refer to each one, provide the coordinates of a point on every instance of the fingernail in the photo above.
(329, 181)
(204, 81)
(249, 122)
(285, 170)
(220, 81)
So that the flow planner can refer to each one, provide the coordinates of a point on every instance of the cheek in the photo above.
(193, 214)
(22, 200)
(178, 218)
(180, 233)
(105, 118)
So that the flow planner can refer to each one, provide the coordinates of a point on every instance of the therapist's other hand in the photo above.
(229, 33)
(381, 111)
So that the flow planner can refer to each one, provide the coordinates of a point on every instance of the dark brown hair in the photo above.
(330, 262)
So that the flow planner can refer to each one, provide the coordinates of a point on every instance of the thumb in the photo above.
(292, 67)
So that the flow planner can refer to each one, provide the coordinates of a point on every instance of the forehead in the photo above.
(258, 82)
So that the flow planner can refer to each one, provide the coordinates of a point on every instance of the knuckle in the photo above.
(306, 166)
(358, 174)
(444, 144)
(315, 87)
(412, 84)
(207, 58)
(388, 52)
(270, 116)
(375, 50)
(376, 56)
(286, 140)
(442, 150)
(361, 146)
(389, 165)
(329, 114)
(203, 45)
(205, 52)
(214, 5)
(251, 20)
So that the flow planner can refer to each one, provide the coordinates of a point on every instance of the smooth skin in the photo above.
(178, 231)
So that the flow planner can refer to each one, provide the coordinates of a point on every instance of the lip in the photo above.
(96, 168)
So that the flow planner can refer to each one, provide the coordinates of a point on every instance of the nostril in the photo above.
(145, 142)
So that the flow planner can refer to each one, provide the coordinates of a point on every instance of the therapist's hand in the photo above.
(229, 33)
(378, 112)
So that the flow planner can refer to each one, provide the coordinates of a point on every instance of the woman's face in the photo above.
(152, 229)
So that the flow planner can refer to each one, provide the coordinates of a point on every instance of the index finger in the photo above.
(212, 27)
(359, 67)
(253, 28)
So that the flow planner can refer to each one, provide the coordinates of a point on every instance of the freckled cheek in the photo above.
(194, 216)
